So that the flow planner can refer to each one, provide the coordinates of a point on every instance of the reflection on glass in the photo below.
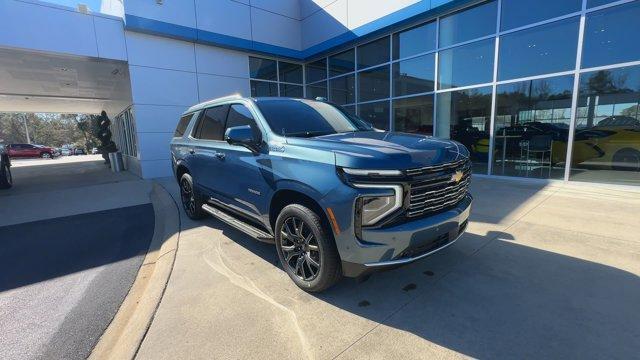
(288, 90)
(373, 53)
(532, 127)
(516, 13)
(468, 24)
(342, 63)
(606, 145)
(466, 65)
(263, 88)
(373, 84)
(540, 50)
(317, 90)
(265, 69)
(414, 41)
(351, 109)
(343, 90)
(594, 3)
(414, 76)
(290, 72)
(465, 116)
(377, 114)
(611, 35)
(414, 114)
(316, 70)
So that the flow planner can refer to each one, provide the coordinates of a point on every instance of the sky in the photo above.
(94, 5)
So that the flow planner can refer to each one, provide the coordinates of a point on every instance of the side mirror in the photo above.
(243, 136)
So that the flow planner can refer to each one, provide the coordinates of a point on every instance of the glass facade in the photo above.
(524, 87)
(271, 77)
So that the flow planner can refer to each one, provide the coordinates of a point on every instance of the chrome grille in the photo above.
(437, 191)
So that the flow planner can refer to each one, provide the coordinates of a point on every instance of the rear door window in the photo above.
(211, 125)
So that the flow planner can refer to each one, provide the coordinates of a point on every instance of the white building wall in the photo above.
(41, 26)
(167, 77)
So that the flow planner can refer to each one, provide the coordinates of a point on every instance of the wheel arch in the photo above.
(284, 197)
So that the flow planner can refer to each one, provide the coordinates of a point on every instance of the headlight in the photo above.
(371, 209)
(368, 172)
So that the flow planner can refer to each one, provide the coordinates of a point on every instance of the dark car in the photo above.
(30, 151)
(6, 181)
(336, 196)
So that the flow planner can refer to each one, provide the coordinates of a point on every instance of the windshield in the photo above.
(308, 118)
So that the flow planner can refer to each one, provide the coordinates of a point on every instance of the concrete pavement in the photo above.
(544, 271)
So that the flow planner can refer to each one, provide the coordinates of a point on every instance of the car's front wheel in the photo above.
(45, 155)
(306, 249)
(6, 181)
(191, 202)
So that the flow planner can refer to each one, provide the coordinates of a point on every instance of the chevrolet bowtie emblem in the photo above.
(457, 176)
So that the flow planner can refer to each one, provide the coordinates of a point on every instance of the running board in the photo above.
(231, 220)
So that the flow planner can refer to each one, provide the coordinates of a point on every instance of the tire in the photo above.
(6, 180)
(626, 156)
(191, 201)
(46, 155)
(306, 249)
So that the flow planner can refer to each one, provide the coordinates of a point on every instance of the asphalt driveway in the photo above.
(545, 271)
(69, 251)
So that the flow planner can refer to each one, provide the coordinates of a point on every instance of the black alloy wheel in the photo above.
(300, 248)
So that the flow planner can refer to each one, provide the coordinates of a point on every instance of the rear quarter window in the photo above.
(182, 125)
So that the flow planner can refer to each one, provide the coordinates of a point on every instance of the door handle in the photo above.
(219, 155)
(192, 151)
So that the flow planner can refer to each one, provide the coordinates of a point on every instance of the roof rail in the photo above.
(213, 101)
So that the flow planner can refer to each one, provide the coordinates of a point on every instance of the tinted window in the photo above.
(465, 116)
(543, 49)
(414, 114)
(373, 84)
(212, 123)
(305, 118)
(343, 89)
(239, 115)
(414, 41)
(532, 127)
(608, 117)
(263, 88)
(516, 13)
(317, 90)
(291, 90)
(182, 125)
(373, 53)
(290, 72)
(414, 75)
(376, 113)
(265, 69)
(466, 65)
(468, 24)
(610, 36)
(316, 70)
(342, 63)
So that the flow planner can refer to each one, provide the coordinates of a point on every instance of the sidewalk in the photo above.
(544, 271)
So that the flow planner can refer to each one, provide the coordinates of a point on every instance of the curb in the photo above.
(125, 333)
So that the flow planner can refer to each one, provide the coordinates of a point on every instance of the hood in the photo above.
(385, 150)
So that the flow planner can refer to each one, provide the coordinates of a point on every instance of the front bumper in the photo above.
(405, 243)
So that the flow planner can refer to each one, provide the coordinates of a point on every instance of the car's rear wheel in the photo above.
(6, 180)
(191, 201)
(626, 159)
(306, 249)
(45, 155)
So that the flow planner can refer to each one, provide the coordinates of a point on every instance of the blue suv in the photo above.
(336, 196)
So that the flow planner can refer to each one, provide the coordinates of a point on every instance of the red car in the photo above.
(30, 151)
